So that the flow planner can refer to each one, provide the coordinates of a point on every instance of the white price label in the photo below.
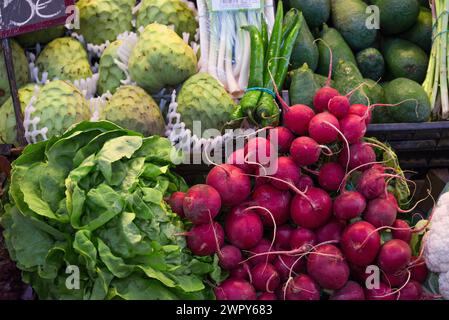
(228, 5)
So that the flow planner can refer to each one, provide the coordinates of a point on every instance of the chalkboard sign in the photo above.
(22, 16)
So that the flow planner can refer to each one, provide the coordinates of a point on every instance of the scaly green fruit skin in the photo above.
(168, 12)
(8, 124)
(103, 20)
(110, 73)
(160, 59)
(134, 109)
(60, 105)
(202, 98)
(21, 70)
(43, 36)
(64, 59)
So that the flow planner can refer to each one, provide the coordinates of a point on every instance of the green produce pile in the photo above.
(93, 199)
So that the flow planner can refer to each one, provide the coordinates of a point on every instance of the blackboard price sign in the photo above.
(22, 16)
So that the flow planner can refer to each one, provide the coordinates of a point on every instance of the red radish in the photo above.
(349, 205)
(282, 239)
(286, 171)
(359, 273)
(284, 138)
(380, 213)
(297, 118)
(405, 234)
(331, 231)
(301, 287)
(274, 200)
(360, 155)
(176, 201)
(243, 228)
(201, 204)
(235, 289)
(360, 243)
(203, 240)
(304, 183)
(350, 291)
(419, 269)
(305, 151)
(262, 247)
(411, 291)
(259, 150)
(390, 197)
(353, 128)
(395, 280)
(265, 277)
(243, 272)
(237, 158)
(339, 106)
(267, 296)
(372, 183)
(261, 177)
(313, 215)
(288, 266)
(327, 266)
(231, 183)
(394, 256)
(383, 292)
(322, 98)
(362, 111)
(331, 175)
(229, 257)
(302, 238)
(321, 131)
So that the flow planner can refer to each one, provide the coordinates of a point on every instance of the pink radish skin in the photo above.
(350, 291)
(266, 296)
(265, 277)
(331, 231)
(360, 155)
(306, 216)
(353, 128)
(394, 256)
(262, 247)
(419, 270)
(395, 280)
(176, 201)
(405, 234)
(327, 266)
(304, 183)
(231, 183)
(261, 177)
(284, 263)
(302, 238)
(201, 204)
(284, 138)
(259, 150)
(241, 272)
(275, 200)
(237, 158)
(362, 111)
(302, 287)
(321, 131)
(322, 98)
(360, 243)
(372, 183)
(411, 291)
(380, 213)
(235, 289)
(203, 240)
(297, 118)
(359, 273)
(349, 205)
(229, 257)
(382, 293)
(339, 106)
(331, 175)
(243, 228)
(286, 171)
(283, 235)
(305, 151)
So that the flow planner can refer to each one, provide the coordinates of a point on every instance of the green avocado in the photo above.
(316, 12)
(305, 50)
(397, 16)
(371, 63)
(421, 32)
(303, 86)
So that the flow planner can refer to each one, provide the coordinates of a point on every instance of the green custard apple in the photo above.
(64, 59)
(160, 59)
(134, 109)
(21, 70)
(104, 20)
(110, 73)
(43, 36)
(8, 124)
(202, 98)
(168, 12)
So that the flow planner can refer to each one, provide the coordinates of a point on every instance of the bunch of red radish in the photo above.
(300, 234)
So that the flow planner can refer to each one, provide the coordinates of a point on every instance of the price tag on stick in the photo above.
(23, 16)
